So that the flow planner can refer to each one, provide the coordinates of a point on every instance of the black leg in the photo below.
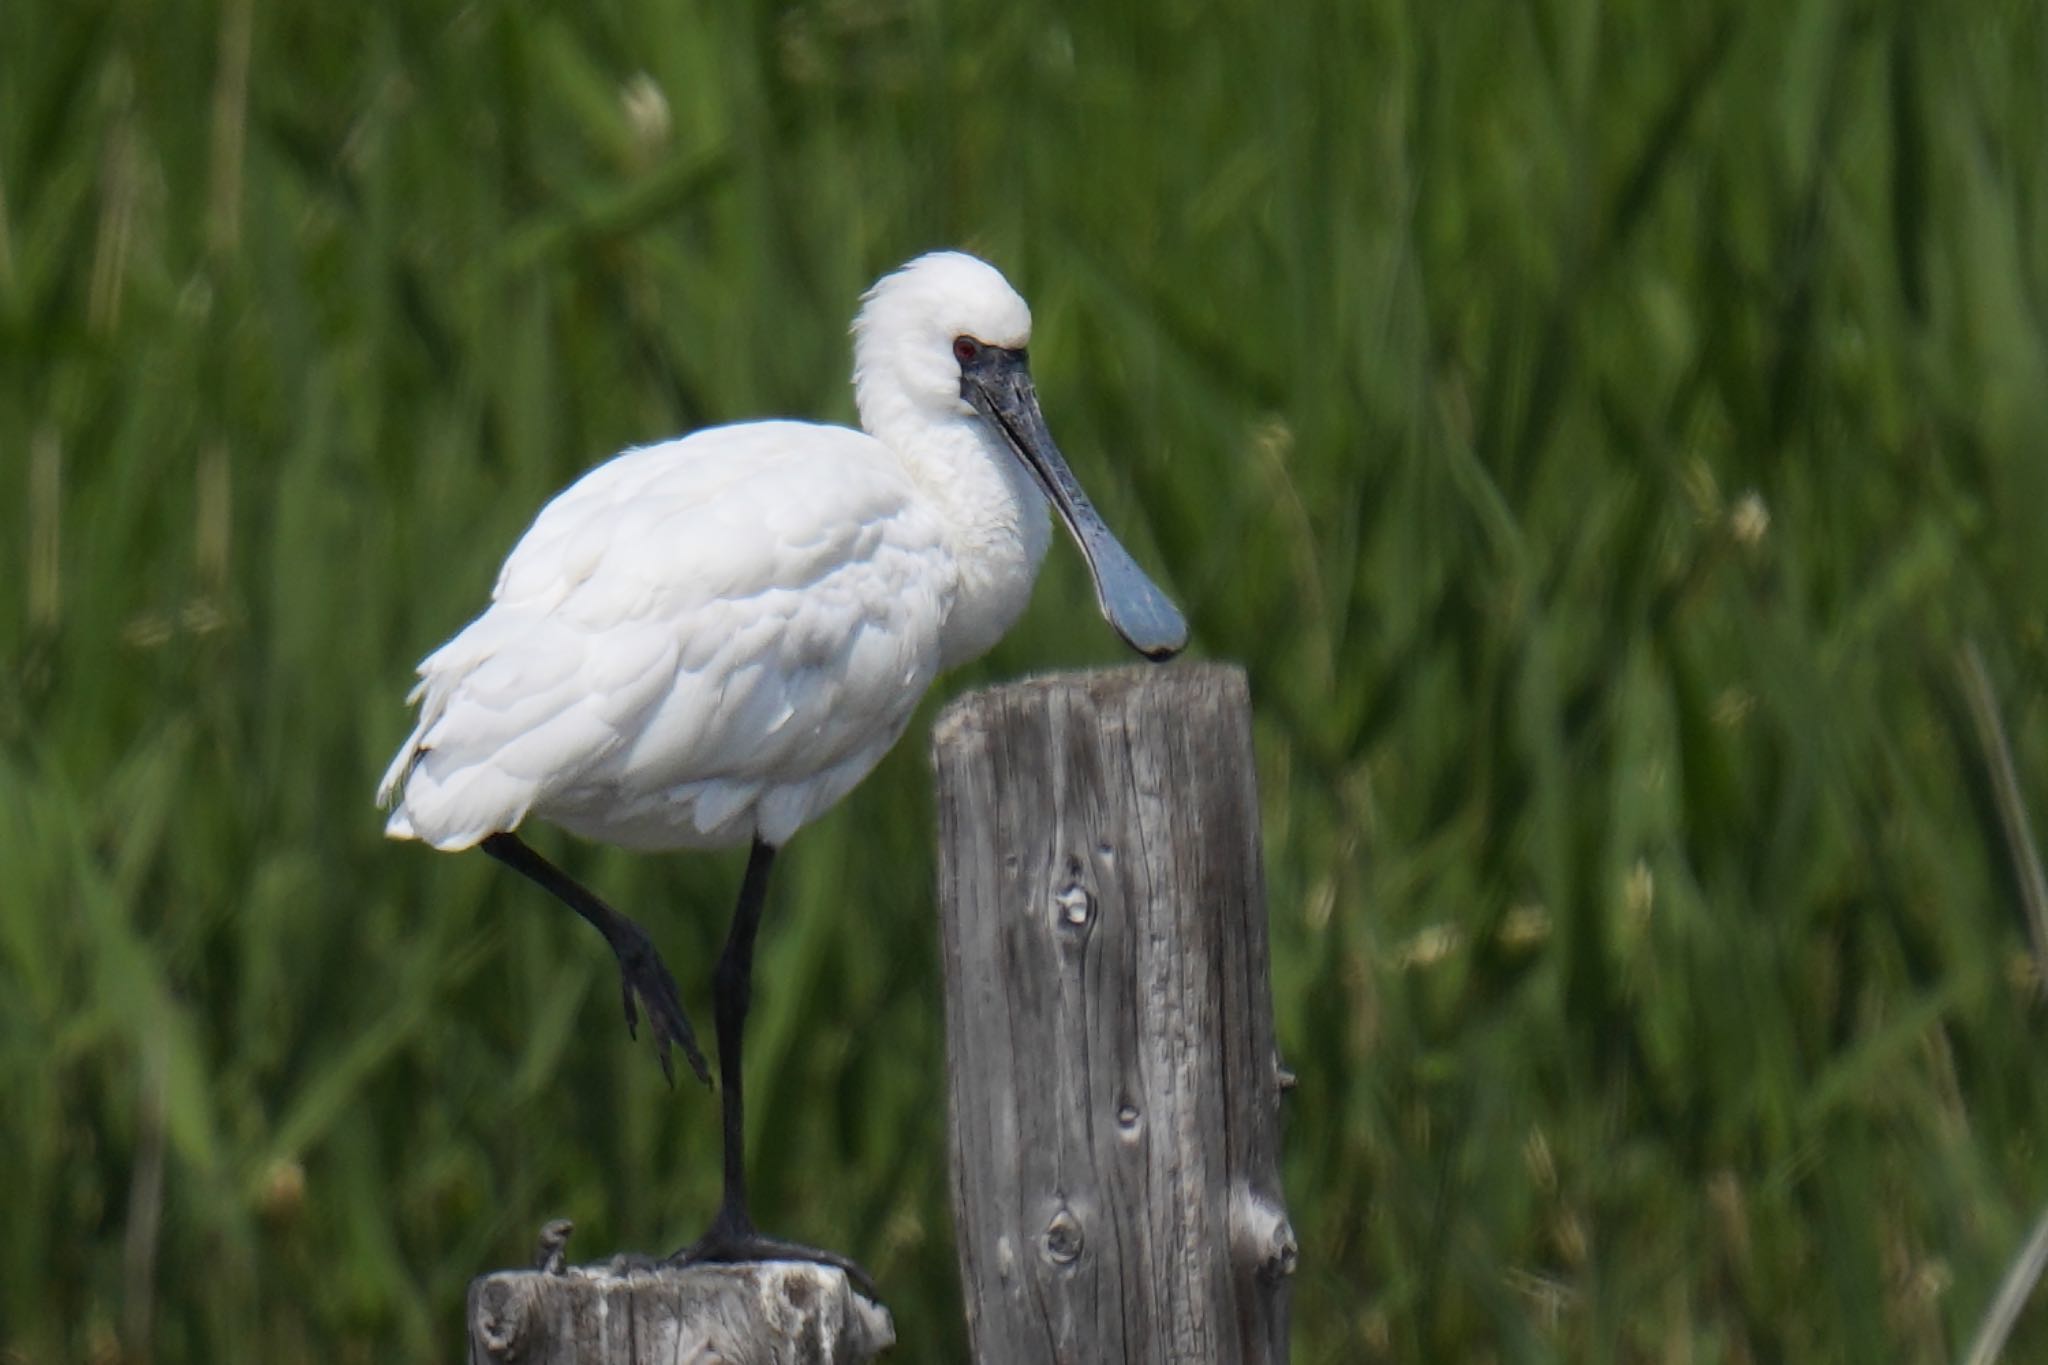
(732, 1236)
(641, 970)
(732, 993)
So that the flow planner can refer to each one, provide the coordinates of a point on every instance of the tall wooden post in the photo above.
(1114, 1084)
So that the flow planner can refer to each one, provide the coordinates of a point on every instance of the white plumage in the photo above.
(713, 639)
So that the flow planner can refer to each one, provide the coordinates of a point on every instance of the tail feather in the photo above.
(460, 808)
(401, 768)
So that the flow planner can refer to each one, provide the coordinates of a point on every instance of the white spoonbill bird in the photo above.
(709, 641)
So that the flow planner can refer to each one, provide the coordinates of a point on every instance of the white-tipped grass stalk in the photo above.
(2012, 806)
(230, 135)
(2018, 1284)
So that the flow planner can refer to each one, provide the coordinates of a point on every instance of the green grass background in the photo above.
(1601, 429)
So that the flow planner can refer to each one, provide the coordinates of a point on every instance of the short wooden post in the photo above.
(774, 1313)
(1115, 1088)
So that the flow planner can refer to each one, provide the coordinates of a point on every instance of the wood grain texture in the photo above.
(774, 1313)
(1114, 1084)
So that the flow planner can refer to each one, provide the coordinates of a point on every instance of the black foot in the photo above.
(729, 1243)
(642, 973)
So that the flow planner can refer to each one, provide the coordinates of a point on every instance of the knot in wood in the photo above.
(499, 1323)
(1263, 1236)
(1128, 1120)
(1063, 1239)
(1074, 904)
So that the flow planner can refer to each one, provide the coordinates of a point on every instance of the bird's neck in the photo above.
(994, 515)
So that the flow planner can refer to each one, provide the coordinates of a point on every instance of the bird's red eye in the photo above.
(965, 349)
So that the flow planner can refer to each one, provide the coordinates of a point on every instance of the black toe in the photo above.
(744, 1246)
(643, 975)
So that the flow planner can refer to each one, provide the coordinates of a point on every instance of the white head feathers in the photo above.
(903, 337)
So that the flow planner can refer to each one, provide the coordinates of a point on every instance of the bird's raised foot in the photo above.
(735, 1241)
(642, 973)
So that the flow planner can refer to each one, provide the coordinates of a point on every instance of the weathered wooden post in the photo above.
(1115, 1088)
(775, 1313)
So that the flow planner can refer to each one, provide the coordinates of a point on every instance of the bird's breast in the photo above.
(997, 527)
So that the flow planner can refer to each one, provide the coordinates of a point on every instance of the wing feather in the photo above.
(689, 639)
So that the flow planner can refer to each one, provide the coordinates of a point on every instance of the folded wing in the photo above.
(695, 643)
